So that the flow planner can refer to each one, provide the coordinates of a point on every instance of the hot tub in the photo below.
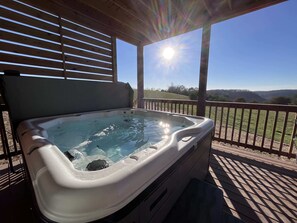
(149, 157)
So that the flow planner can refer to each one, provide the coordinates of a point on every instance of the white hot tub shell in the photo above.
(148, 183)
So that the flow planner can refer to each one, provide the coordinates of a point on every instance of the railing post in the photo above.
(203, 69)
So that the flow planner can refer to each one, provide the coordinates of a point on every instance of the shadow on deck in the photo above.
(254, 189)
(15, 205)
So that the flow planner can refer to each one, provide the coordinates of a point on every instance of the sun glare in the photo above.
(168, 53)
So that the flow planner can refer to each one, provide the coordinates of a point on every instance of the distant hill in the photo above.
(233, 95)
(268, 95)
(225, 95)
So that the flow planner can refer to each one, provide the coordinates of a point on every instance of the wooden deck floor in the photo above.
(255, 189)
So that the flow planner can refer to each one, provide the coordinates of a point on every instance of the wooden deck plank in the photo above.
(255, 181)
(266, 173)
(255, 193)
(245, 179)
(272, 188)
(258, 203)
(255, 189)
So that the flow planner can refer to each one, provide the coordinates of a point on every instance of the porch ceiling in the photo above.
(147, 21)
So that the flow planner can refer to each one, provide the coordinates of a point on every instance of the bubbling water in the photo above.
(110, 138)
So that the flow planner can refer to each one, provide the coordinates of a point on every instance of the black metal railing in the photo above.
(264, 127)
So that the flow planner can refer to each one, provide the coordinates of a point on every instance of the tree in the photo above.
(294, 100)
(240, 100)
(217, 97)
(193, 95)
(280, 100)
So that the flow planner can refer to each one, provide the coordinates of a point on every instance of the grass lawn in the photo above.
(160, 94)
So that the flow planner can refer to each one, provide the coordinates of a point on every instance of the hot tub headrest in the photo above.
(31, 97)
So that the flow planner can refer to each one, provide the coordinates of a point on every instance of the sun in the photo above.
(168, 53)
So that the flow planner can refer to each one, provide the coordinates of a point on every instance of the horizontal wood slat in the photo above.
(29, 60)
(86, 46)
(27, 50)
(29, 11)
(87, 61)
(86, 31)
(32, 70)
(77, 67)
(29, 21)
(86, 54)
(32, 37)
(86, 39)
(29, 41)
(30, 31)
(88, 76)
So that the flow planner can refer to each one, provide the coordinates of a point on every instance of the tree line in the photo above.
(192, 93)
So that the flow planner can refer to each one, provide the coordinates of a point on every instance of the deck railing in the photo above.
(264, 127)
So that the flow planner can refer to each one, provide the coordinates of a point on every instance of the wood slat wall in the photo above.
(41, 43)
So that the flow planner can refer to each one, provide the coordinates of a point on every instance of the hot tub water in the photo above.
(110, 138)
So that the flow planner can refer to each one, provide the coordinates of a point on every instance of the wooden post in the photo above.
(114, 59)
(140, 91)
(62, 47)
(203, 69)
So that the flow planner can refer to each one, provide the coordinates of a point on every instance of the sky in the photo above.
(255, 51)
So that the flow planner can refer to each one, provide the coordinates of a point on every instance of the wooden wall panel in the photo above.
(83, 29)
(86, 46)
(30, 31)
(29, 60)
(87, 61)
(37, 42)
(28, 50)
(81, 52)
(78, 67)
(39, 71)
(6, 36)
(29, 21)
(88, 76)
(26, 9)
(83, 38)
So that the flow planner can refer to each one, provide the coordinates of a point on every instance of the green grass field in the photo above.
(160, 94)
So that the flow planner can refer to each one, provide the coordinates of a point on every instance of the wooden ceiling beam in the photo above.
(107, 11)
(186, 16)
(147, 21)
(166, 21)
(148, 8)
(94, 14)
(132, 13)
(207, 7)
(54, 7)
(229, 2)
